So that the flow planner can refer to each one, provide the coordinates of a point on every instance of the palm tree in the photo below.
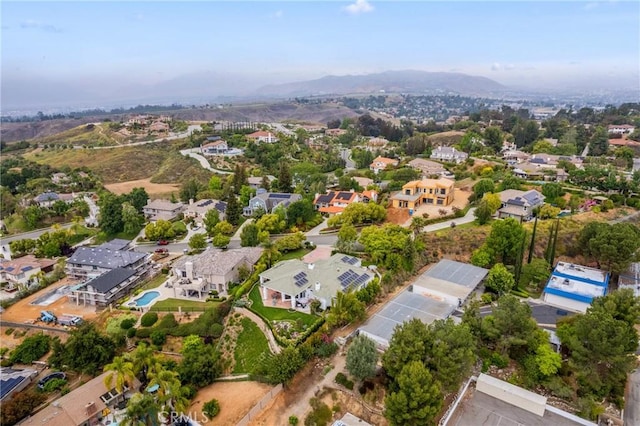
(121, 371)
(142, 410)
(144, 362)
(169, 390)
(271, 252)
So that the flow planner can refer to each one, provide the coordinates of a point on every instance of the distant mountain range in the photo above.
(414, 82)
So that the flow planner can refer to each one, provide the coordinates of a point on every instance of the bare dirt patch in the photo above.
(151, 188)
(24, 312)
(235, 398)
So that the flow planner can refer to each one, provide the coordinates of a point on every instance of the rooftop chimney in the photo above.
(188, 266)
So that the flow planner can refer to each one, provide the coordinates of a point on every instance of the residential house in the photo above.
(13, 380)
(350, 420)
(334, 202)
(519, 204)
(631, 278)
(159, 127)
(448, 154)
(363, 181)
(294, 283)
(198, 209)
(262, 136)
(141, 120)
(335, 132)
(428, 168)
(59, 178)
(255, 182)
(162, 209)
(381, 163)
(90, 262)
(514, 156)
(211, 270)
(376, 143)
(425, 191)
(23, 271)
(616, 143)
(573, 287)
(89, 404)
(620, 128)
(47, 199)
(217, 147)
(105, 289)
(368, 196)
(268, 201)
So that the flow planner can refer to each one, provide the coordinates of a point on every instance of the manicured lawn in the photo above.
(172, 305)
(154, 282)
(250, 345)
(278, 314)
(296, 254)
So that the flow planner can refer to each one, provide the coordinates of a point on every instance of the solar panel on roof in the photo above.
(282, 196)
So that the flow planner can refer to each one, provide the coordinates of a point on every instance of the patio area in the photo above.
(170, 289)
(460, 200)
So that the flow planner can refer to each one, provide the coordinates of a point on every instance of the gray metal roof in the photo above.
(105, 258)
(107, 281)
(115, 244)
(457, 272)
(405, 307)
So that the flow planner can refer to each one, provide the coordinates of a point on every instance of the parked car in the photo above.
(162, 251)
(57, 375)
(163, 242)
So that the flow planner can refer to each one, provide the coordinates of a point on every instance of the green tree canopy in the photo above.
(499, 279)
(362, 357)
(418, 399)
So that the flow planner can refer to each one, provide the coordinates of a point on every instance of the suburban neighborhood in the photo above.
(481, 268)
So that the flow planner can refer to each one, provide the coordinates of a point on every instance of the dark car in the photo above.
(163, 242)
(57, 375)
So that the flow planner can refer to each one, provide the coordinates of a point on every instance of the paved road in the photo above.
(31, 234)
(195, 153)
(279, 127)
(631, 415)
(345, 154)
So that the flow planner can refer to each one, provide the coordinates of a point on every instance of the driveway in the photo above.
(631, 415)
(194, 153)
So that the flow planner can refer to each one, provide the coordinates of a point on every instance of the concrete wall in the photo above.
(511, 394)
(564, 303)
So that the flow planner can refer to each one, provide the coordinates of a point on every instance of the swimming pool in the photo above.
(147, 298)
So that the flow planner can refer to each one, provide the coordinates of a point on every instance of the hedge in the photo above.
(148, 319)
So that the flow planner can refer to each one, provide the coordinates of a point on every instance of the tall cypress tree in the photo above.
(233, 210)
(547, 251)
(553, 246)
(533, 240)
(519, 260)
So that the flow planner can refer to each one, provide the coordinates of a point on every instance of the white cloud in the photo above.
(277, 14)
(360, 6)
(496, 66)
(32, 24)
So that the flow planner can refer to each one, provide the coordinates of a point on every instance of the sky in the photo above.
(106, 50)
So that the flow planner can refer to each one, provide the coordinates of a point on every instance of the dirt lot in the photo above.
(235, 398)
(24, 312)
(151, 188)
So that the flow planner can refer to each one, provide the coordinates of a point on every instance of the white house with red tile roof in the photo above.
(215, 148)
(381, 163)
(621, 128)
(262, 136)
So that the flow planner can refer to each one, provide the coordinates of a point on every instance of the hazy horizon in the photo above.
(67, 53)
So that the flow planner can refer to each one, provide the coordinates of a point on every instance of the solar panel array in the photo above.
(300, 279)
(350, 279)
(283, 196)
(350, 260)
(206, 203)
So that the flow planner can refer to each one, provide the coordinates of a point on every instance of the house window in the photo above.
(443, 191)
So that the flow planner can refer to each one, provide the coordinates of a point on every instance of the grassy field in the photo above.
(86, 134)
(278, 314)
(154, 282)
(296, 254)
(111, 165)
(173, 304)
(250, 345)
